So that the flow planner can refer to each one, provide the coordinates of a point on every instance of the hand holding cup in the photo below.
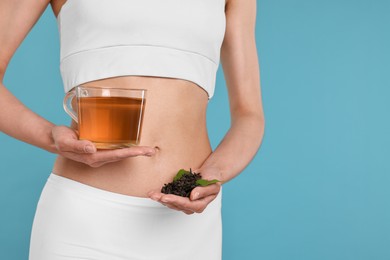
(109, 119)
(84, 151)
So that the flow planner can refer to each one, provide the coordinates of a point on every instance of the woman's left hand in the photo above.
(200, 197)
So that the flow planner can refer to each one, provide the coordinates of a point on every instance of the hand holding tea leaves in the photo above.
(189, 191)
(184, 182)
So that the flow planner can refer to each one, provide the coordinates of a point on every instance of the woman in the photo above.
(107, 204)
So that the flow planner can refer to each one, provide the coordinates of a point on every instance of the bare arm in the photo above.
(239, 60)
(241, 69)
(16, 20)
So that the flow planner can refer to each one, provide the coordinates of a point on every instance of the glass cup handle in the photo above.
(67, 107)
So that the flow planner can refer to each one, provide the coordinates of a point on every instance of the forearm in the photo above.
(18, 121)
(238, 147)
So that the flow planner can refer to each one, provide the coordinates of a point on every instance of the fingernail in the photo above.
(196, 195)
(154, 198)
(89, 149)
(165, 200)
(148, 153)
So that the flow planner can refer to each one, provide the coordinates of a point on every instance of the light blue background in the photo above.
(319, 186)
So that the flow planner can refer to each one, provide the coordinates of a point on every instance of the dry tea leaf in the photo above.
(184, 182)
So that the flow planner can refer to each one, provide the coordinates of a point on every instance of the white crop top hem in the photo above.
(158, 61)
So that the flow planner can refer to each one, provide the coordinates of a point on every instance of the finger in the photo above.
(202, 192)
(188, 212)
(184, 203)
(75, 157)
(171, 206)
(119, 154)
(76, 146)
(156, 196)
(102, 157)
(87, 159)
(66, 140)
(200, 205)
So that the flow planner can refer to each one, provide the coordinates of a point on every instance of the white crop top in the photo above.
(166, 38)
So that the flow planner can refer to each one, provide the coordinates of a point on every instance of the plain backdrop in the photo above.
(318, 189)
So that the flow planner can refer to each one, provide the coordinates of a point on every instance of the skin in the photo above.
(169, 139)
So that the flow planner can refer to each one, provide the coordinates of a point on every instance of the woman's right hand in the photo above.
(84, 151)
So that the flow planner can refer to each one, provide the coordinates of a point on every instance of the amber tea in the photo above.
(110, 118)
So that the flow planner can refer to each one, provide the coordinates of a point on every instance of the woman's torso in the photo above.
(174, 121)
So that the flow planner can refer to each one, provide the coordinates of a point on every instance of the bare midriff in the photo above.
(174, 121)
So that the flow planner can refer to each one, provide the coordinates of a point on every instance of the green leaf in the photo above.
(203, 183)
(180, 174)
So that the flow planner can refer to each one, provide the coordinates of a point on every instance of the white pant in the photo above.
(78, 221)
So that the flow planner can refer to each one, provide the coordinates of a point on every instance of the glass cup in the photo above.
(109, 117)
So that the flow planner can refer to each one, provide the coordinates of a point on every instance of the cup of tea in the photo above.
(109, 117)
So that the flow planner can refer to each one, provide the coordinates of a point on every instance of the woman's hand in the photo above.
(200, 197)
(68, 145)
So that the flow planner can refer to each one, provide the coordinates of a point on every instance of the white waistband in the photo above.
(87, 190)
(90, 191)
